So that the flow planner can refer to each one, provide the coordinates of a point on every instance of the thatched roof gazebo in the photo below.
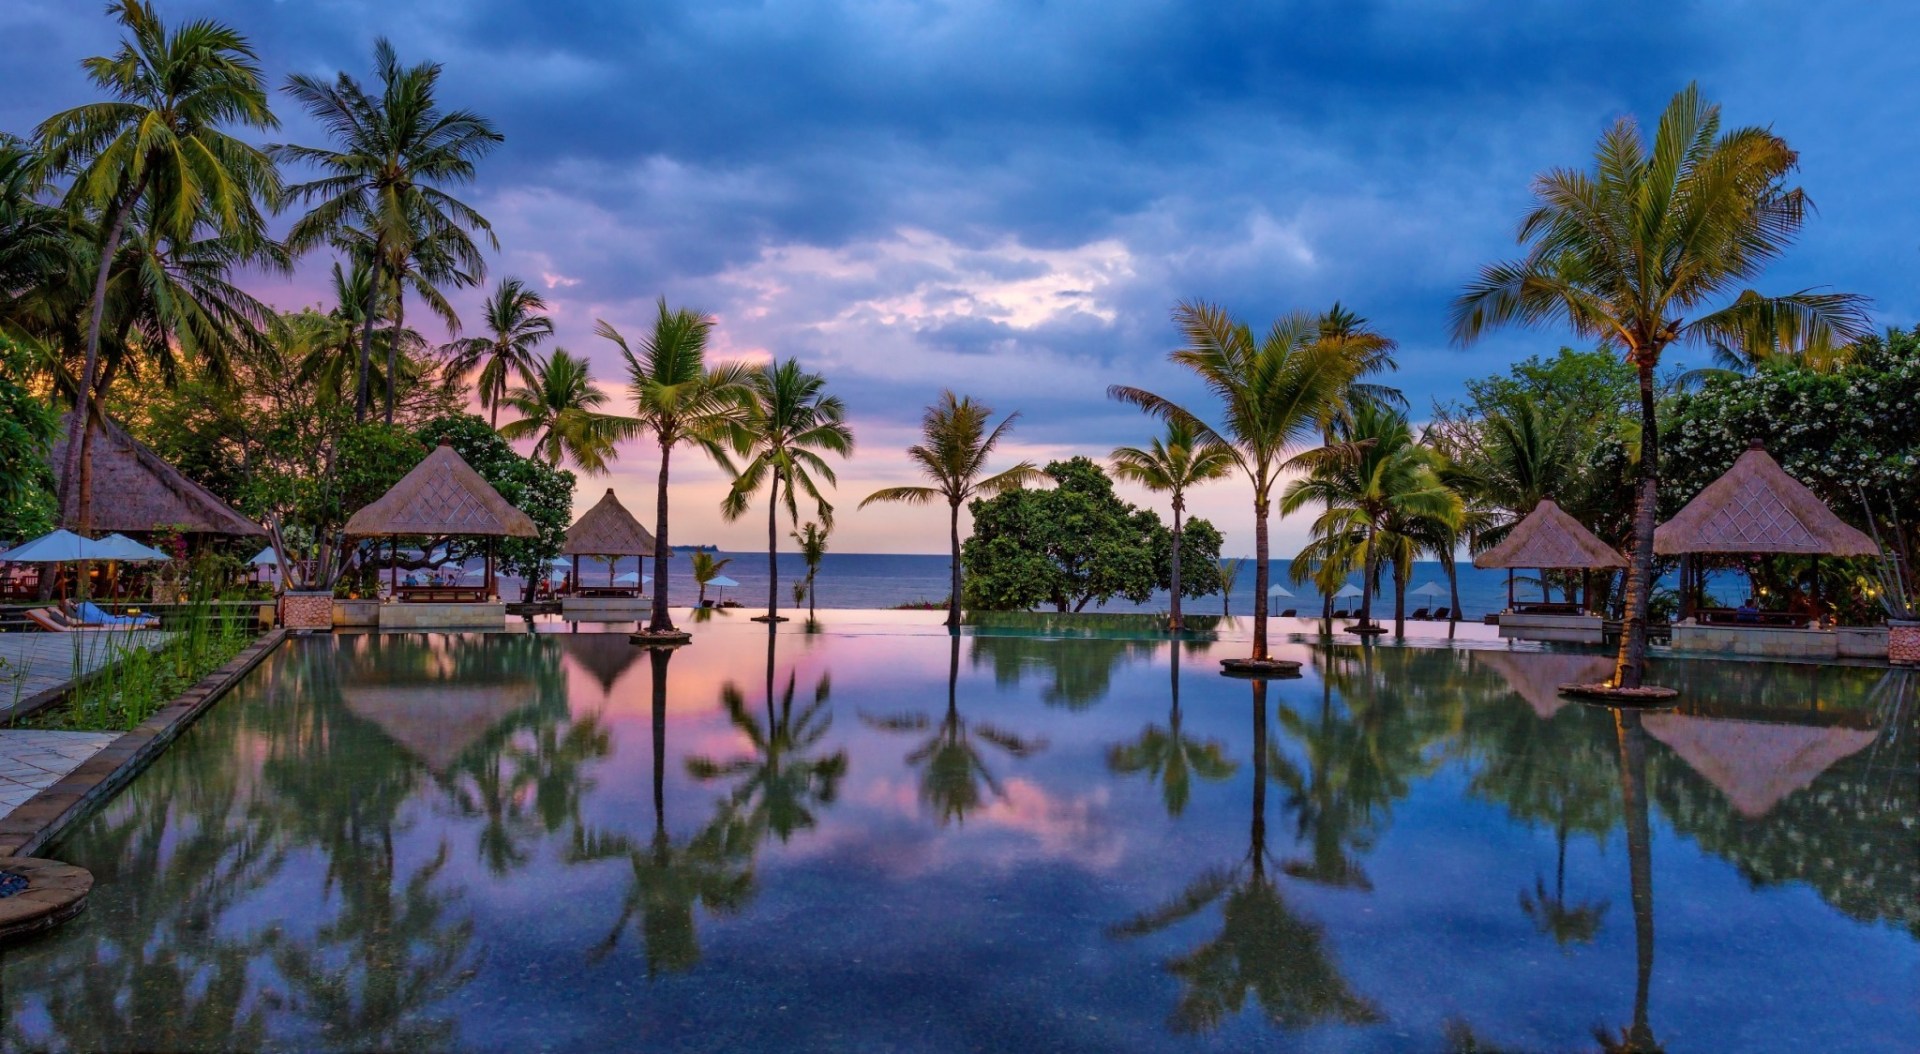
(606, 530)
(135, 490)
(443, 495)
(1550, 540)
(1754, 763)
(1754, 508)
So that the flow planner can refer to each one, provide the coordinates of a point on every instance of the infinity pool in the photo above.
(879, 837)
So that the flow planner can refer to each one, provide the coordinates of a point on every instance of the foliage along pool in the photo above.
(886, 838)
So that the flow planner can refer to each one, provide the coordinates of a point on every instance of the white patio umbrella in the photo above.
(723, 582)
(1278, 591)
(1347, 592)
(265, 558)
(121, 547)
(59, 547)
(632, 578)
(1431, 589)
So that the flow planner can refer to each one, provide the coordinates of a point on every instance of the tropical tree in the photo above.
(953, 451)
(1369, 352)
(516, 325)
(559, 411)
(812, 539)
(381, 192)
(1378, 480)
(788, 422)
(158, 144)
(1275, 393)
(1171, 465)
(1229, 577)
(680, 399)
(34, 244)
(706, 569)
(1638, 251)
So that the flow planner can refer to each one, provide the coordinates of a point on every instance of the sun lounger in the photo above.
(48, 619)
(86, 614)
(1441, 615)
(1343, 613)
(1419, 616)
(1290, 613)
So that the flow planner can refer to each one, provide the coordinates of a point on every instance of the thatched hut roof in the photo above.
(607, 529)
(442, 495)
(135, 490)
(1757, 508)
(1549, 538)
(1755, 764)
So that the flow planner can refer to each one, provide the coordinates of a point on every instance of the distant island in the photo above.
(695, 548)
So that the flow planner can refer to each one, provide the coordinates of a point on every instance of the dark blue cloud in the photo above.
(1008, 196)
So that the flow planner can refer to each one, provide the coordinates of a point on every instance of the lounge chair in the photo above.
(1418, 616)
(48, 619)
(1290, 613)
(1442, 614)
(1343, 613)
(88, 615)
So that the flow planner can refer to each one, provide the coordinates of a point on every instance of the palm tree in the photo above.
(1229, 577)
(1369, 351)
(1274, 393)
(788, 421)
(515, 325)
(558, 412)
(812, 539)
(381, 189)
(953, 453)
(158, 144)
(706, 569)
(1181, 460)
(678, 398)
(1378, 481)
(34, 244)
(1637, 252)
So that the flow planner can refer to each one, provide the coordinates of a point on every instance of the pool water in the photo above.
(881, 837)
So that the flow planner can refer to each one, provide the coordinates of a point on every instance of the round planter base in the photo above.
(1260, 669)
(769, 618)
(54, 893)
(665, 639)
(1608, 695)
(1367, 630)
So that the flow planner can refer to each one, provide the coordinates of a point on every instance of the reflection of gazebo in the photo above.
(1550, 540)
(606, 656)
(607, 530)
(1536, 677)
(1755, 763)
(436, 719)
(1755, 508)
(442, 496)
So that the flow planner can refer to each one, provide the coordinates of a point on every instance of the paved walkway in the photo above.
(31, 760)
(31, 663)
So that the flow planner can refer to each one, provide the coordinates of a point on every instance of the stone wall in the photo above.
(303, 610)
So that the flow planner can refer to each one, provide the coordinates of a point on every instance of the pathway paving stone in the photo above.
(32, 760)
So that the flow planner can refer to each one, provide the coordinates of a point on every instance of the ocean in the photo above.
(878, 580)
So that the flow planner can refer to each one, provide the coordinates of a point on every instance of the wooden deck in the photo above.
(42, 662)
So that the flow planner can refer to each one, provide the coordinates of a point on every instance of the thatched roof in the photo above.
(1755, 764)
(442, 495)
(1549, 538)
(1536, 677)
(135, 490)
(1757, 508)
(607, 529)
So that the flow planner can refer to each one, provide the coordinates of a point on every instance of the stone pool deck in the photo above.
(32, 760)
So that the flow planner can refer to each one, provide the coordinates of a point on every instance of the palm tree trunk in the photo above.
(1400, 577)
(1260, 506)
(495, 392)
(662, 622)
(1257, 834)
(953, 598)
(1630, 667)
(1368, 577)
(363, 385)
(1177, 503)
(393, 345)
(86, 401)
(1448, 564)
(773, 551)
(810, 596)
(660, 657)
(1633, 790)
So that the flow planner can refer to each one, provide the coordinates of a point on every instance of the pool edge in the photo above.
(50, 813)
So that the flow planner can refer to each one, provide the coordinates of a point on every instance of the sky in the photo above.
(1008, 197)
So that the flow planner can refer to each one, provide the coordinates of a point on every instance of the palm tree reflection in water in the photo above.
(1263, 948)
(953, 771)
(1169, 756)
(713, 868)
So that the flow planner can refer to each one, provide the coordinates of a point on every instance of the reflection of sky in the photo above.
(881, 928)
